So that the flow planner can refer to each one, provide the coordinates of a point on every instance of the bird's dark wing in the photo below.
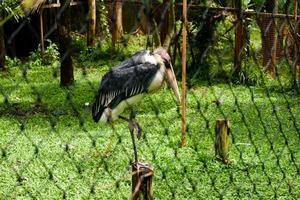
(136, 59)
(122, 83)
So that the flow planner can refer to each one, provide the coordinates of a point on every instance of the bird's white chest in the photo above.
(157, 80)
(113, 114)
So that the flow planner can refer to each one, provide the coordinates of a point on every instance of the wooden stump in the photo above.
(222, 140)
(142, 181)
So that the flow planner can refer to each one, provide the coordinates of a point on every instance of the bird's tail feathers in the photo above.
(97, 113)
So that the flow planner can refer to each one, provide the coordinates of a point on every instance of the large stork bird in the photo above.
(127, 83)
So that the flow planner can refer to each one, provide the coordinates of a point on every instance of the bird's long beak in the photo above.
(172, 81)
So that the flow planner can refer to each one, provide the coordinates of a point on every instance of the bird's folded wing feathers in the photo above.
(121, 83)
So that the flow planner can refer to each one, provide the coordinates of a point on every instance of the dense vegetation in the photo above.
(51, 148)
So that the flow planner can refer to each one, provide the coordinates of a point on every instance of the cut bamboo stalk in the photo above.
(222, 140)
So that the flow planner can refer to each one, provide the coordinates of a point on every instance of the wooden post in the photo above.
(42, 33)
(222, 140)
(183, 75)
(142, 181)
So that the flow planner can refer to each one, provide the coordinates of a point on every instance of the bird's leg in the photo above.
(109, 118)
(134, 129)
(133, 125)
(133, 143)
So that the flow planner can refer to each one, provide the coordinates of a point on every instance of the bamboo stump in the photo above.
(142, 181)
(222, 140)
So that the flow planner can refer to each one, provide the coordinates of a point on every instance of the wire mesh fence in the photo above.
(242, 101)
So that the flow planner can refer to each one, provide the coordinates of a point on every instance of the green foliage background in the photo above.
(51, 148)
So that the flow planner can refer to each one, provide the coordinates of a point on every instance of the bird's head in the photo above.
(163, 54)
(170, 75)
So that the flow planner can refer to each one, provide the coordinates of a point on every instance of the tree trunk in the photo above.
(42, 34)
(269, 39)
(164, 21)
(92, 23)
(240, 37)
(149, 25)
(117, 22)
(297, 49)
(2, 47)
(203, 40)
(144, 22)
(170, 25)
(296, 55)
(155, 33)
(64, 38)
(239, 45)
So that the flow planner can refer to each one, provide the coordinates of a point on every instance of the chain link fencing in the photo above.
(242, 79)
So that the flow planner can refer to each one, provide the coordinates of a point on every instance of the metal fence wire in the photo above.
(242, 101)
